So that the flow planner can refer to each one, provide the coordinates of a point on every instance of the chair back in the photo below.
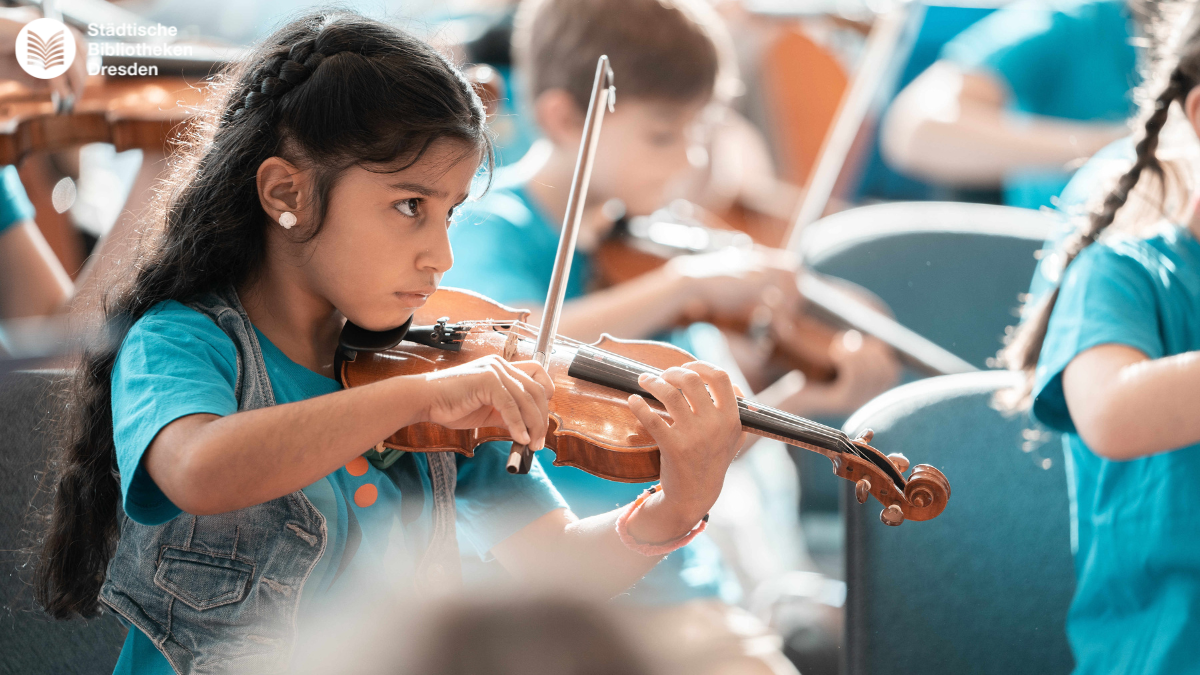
(31, 643)
(951, 271)
(984, 587)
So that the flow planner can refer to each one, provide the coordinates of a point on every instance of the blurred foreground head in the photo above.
(546, 636)
(505, 633)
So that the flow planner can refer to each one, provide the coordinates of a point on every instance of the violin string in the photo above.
(797, 425)
(792, 426)
(784, 419)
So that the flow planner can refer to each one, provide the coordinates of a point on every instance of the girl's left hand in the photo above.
(696, 446)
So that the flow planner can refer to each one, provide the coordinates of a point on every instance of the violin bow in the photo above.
(603, 100)
(855, 109)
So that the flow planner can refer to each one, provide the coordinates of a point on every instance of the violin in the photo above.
(637, 245)
(591, 426)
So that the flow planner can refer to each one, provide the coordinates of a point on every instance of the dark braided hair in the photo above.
(281, 74)
(1025, 344)
(327, 91)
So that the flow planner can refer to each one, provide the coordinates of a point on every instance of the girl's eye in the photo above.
(409, 207)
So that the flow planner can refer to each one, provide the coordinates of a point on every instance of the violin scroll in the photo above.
(927, 491)
(922, 496)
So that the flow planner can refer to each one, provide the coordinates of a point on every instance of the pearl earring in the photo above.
(287, 219)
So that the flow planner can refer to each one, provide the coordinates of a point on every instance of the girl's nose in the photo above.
(438, 257)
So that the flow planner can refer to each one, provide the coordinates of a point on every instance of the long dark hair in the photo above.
(1173, 29)
(328, 91)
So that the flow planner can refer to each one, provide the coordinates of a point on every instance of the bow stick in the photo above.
(603, 100)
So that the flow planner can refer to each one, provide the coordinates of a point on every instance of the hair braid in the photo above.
(279, 74)
(1025, 345)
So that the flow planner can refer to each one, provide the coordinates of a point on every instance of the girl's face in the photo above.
(383, 247)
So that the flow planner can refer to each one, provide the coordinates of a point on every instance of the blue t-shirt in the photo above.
(504, 248)
(14, 203)
(14, 207)
(1137, 561)
(1070, 59)
(1094, 176)
(176, 362)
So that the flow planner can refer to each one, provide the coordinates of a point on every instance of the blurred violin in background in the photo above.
(802, 340)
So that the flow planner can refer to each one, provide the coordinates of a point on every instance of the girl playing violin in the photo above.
(1111, 357)
(318, 191)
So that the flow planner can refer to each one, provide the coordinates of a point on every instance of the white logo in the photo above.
(45, 48)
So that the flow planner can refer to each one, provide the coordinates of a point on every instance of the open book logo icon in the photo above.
(45, 53)
(45, 48)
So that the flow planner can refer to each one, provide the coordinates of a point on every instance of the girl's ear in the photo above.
(1191, 106)
(283, 188)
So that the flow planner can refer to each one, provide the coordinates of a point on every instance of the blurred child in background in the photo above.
(1112, 360)
(32, 280)
(1017, 97)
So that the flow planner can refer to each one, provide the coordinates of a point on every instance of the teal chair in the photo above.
(984, 587)
(30, 643)
(950, 271)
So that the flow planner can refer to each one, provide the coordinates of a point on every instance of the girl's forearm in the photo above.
(207, 464)
(1127, 406)
(586, 556)
(955, 127)
(32, 280)
(981, 146)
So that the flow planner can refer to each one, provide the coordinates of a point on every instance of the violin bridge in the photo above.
(511, 346)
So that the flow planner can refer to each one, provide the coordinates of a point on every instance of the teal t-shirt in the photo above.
(1070, 59)
(176, 362)
(14, 207)
(14, 203)
(504, 248)
(1137, 600)
(1094, 176)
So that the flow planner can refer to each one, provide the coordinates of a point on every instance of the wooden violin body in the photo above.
(129, 113)
(591, 426)
(134, 112)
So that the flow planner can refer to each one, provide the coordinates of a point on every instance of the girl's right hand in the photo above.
(492, 392)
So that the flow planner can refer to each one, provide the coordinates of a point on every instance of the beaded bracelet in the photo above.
(652, 549)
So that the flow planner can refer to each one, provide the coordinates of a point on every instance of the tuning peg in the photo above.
(892, 515)
(862, 489)
(899, 460)
(866, 436)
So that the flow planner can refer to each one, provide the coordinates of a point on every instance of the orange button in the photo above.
(357, 466)
(366, 495)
